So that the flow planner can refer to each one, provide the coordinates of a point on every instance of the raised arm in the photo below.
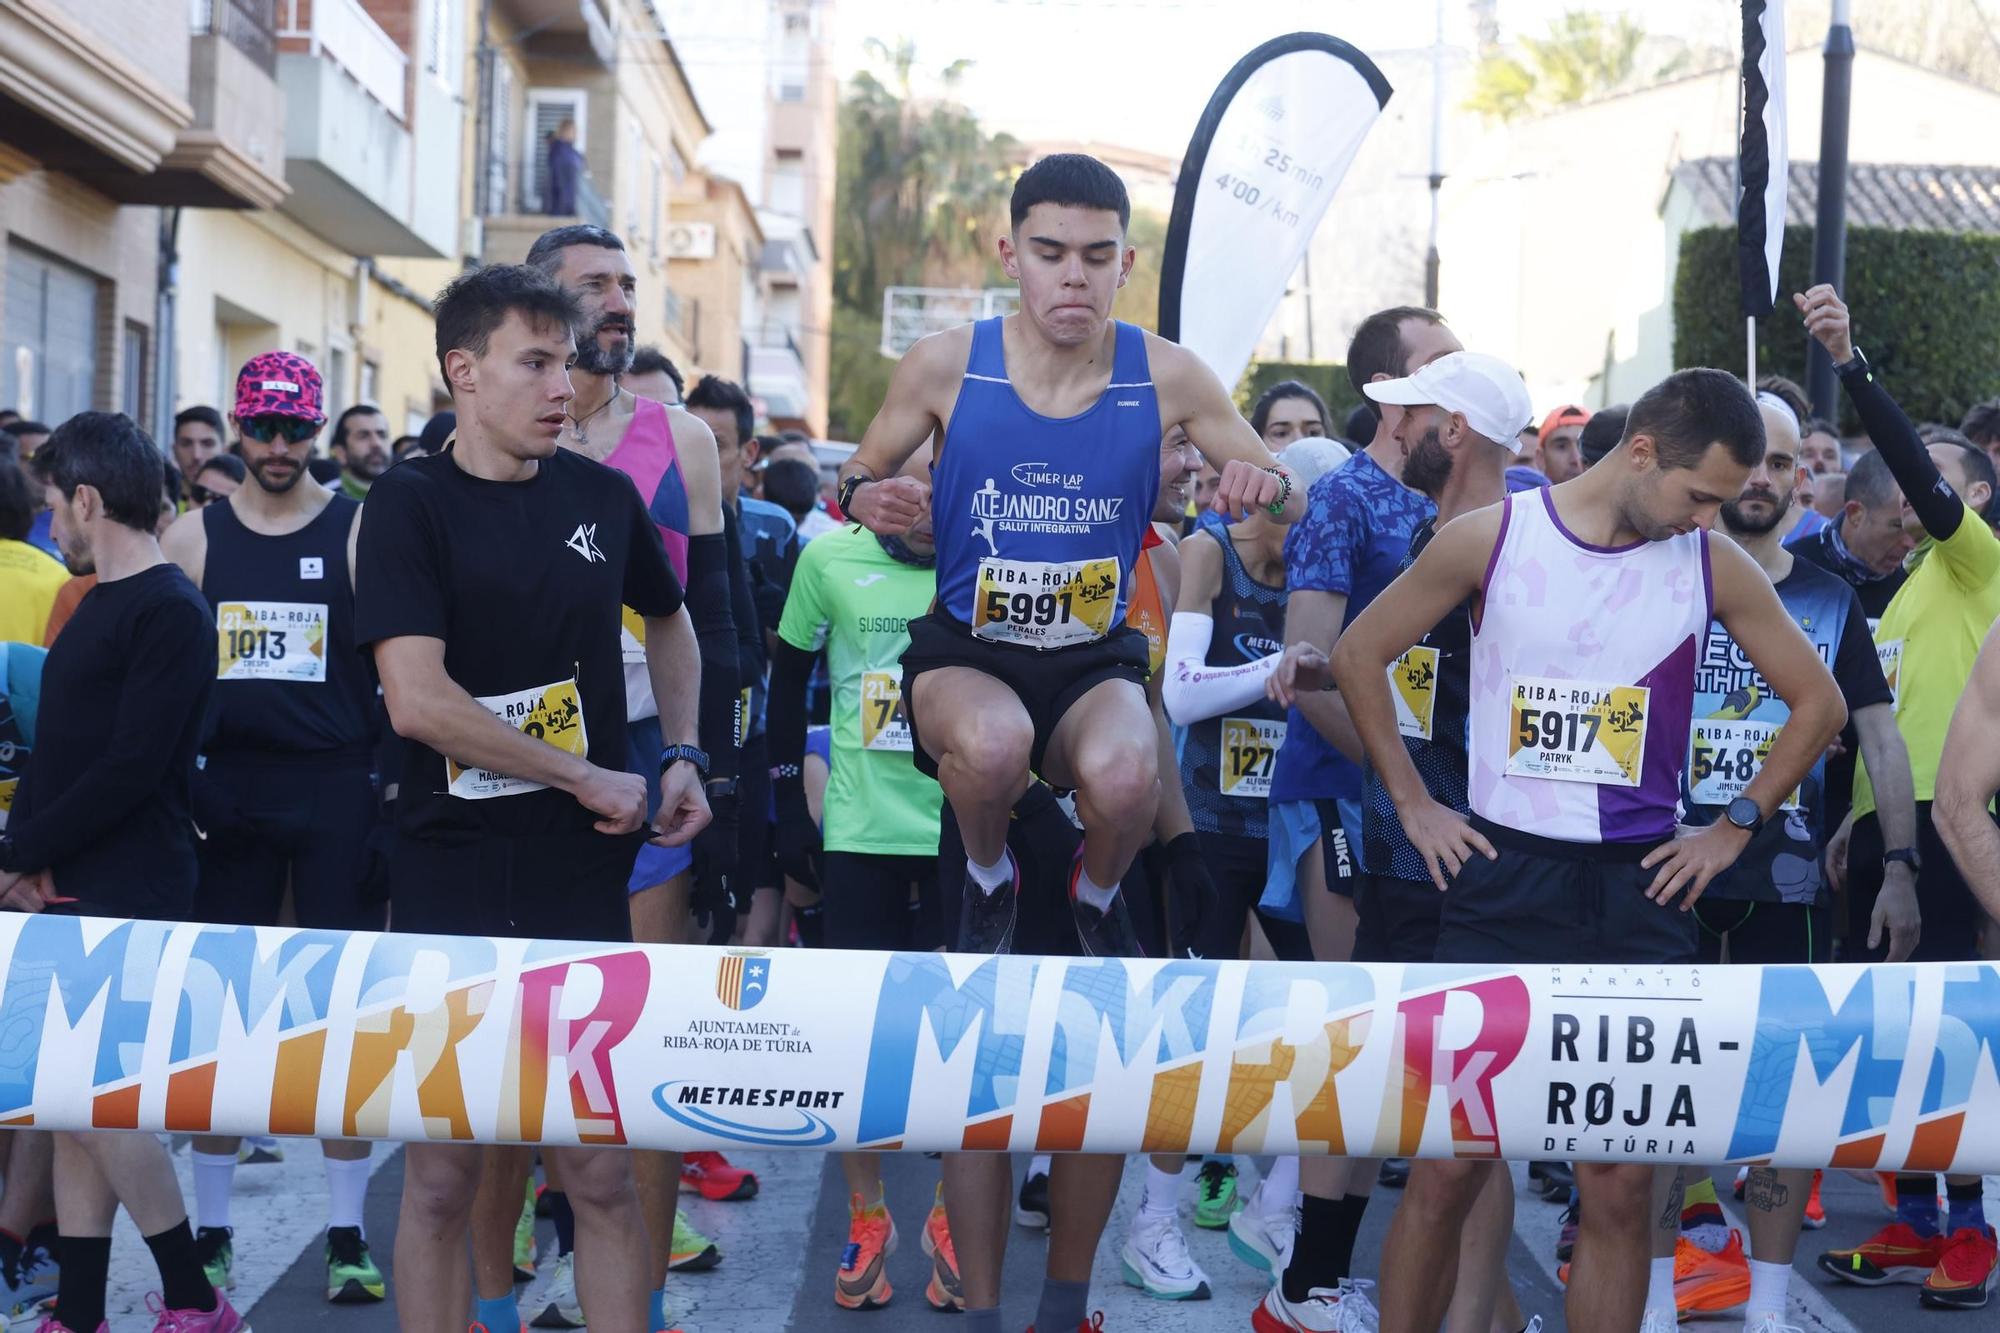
(1969, 775)
(909, 415)
(1193, 398)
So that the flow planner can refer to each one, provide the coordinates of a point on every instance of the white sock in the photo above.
(346, 1188)
(214, 1173)
(1038, 1165)
(994, 877)
(1094, 894)
(1280, 1189)
(1660, 1288)
(1162, 1196)
(1770, 1284)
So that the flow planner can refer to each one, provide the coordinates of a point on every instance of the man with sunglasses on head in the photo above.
(286, 791)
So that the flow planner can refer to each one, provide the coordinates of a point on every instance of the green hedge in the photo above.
(1329, 378)
(1926, 308)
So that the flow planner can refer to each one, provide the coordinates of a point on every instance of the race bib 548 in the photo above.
(1577, 731)
(1724, 755)
(270, 641)
(551, 713)
(1045, 605)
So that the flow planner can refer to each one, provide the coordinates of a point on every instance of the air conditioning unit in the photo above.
(691, 240)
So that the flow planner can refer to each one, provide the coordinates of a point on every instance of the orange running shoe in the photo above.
(945, 1292)
(863, 1280)
(1896, 1253)
(1963, 1279)
(1710, 1284)
(1815, 1210)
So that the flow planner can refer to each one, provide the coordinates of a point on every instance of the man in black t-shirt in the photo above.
(101, 824)
(488, 582)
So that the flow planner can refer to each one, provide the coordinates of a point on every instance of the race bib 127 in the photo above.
(1249, 754)
(551, 713)
(270, 641)
(1045, 605)
(1577, 731)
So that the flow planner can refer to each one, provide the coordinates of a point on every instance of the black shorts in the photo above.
(1544, 901)
(1046, 681)
(550, 886)
(1952, 917)
(1043, 843)
(284, 822)
(879, 902)
(1239, 866)
(1396, 920)
(1765, 933)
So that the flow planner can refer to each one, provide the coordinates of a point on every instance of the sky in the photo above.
(1137, 72)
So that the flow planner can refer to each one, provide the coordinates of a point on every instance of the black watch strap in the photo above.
(1906, 855)
(853, 482)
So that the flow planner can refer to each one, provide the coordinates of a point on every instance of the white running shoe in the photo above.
(557, 1307)
(1657, 1321)
(1157, 1261)
(1342, 1309)
(1771, 1323)
(1264, 1240)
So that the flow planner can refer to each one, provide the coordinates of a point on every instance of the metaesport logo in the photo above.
(788, 1120)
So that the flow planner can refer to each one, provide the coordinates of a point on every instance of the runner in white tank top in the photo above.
(1590, 599)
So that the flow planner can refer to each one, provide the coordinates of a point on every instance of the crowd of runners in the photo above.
(1071, 658)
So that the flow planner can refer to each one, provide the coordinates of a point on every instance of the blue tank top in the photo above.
(1039, 520)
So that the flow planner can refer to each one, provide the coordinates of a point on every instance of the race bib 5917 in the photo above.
(1043, 604)
(1577, 731)
(1723, 755)
(1413, 685)
(551, 713)
(270, 641)
(1249, 754)
(885, 721)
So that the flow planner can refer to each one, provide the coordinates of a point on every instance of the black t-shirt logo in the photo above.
(584, 542)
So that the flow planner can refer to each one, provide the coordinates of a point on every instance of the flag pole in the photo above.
(1750, 338)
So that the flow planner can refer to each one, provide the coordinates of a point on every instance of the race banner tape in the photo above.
(139, 1025)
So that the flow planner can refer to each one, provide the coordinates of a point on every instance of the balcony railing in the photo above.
(342, 30)
(248, 25)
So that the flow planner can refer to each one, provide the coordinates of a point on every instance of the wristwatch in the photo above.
(695, 755)
(1745, 814)
(1856, 364)
(1906, 855)
(843, 495)
(720, 786)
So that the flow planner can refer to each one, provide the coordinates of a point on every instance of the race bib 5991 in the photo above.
(270, 641)
(1045, 604)
(1577, 731)
(550, 713)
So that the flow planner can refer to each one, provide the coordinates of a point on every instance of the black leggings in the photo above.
(1239, 866)
(866, 902)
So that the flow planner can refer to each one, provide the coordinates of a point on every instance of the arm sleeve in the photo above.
(785, 718)
(1937, 505)
(651, 586)
(715, 633)
(399, 583)
(1856, 667)
(172, 655)
(1192, 689)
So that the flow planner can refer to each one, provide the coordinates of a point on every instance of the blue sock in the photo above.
(656, 1311)
(1916, 1203)
(500, 1316)
(1968, 1209)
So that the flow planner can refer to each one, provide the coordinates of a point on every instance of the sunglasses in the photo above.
(201, 495)
(295, 430)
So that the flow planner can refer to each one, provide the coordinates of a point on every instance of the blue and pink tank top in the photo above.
(647, 455)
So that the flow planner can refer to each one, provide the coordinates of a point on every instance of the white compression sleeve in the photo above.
(1193, 690)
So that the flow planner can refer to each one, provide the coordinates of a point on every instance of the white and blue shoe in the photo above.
(1156, 1260)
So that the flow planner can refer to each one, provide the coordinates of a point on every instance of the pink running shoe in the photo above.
(222, 1319)
(55, 1325)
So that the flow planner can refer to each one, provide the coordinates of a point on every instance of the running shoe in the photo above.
(691, 1252)
(946, 1293)
(1552, 1180)
(986, 920)
(1815, 1210)
(1566, 1236)
(215, 1247)
(31, 1280)
(710, 1175)
(1743, 1180)
(557, 1307)
(1094, 1324)
(1896, 1253)
(1264, 1242)
(351, 1276)
(1771, 1323)
(1342, 1309)
(1033, 1208)
(1214, 1194)
(524, 1237)
(863, 1280)
(222, 1319)
(55, 1325)
(259, 1151)
(1395, 1173)
(1657, 1321)
(1963, 1278)
(1710, 1284)
(1103, 933)
(1157, 1262)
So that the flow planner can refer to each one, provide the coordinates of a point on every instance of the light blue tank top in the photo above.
(1039, 520)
